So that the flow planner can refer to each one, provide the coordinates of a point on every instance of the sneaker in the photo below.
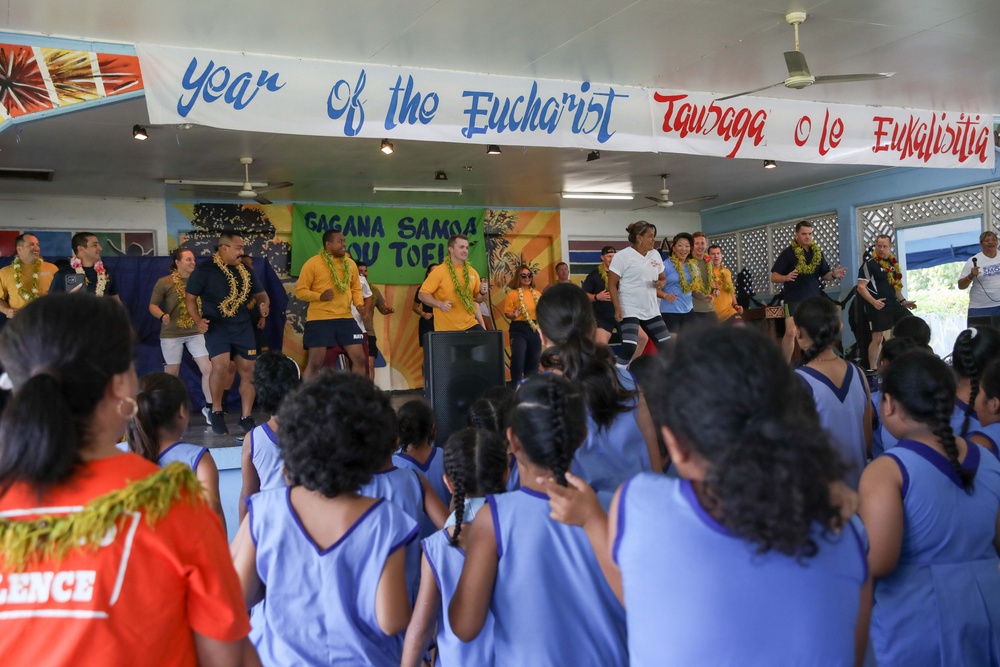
(247, 424)
(218, 423)
(207, 411)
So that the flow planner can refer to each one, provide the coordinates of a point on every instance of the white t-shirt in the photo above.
(636, 293)
(366, 291)
(986, 284)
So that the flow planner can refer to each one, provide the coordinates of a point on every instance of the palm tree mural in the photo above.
(497, 223)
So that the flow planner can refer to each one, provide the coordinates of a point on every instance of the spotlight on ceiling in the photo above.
(440, 176)
(139, 132)
(493, 149)
(593, 155)
(386, 147)
(770, 164)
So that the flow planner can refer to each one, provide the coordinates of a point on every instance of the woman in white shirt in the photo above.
(634, 275)
(982, 272)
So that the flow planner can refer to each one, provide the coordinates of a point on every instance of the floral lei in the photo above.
(340, 282)
(102, 274)
(231, 304)
(524, 309)
(27, 296)
(464, 295)
(184, 320)
(891, 267)
(800, 256)
(688, 286)
(725, 281)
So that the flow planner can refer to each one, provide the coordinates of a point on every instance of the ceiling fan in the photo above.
(247, 190)
(799, 75)
(664, 201)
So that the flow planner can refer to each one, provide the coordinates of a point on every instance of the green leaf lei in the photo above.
(693, 285)
(800, 255)
(464, 295)
(524, 309)
(23, 543)
(341, 282)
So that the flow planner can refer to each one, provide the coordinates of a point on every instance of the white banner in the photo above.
(261, 93)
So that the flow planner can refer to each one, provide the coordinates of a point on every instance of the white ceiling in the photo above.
(946, 54)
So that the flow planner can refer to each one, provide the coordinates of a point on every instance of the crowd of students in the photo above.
(710, 506)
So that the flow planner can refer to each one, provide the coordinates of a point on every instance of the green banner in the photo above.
(398, 244)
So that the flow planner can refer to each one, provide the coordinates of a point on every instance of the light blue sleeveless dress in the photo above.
(319, 604)
(446, 562)
(841, 413)
(186, 453)
(266, 457)
(402, 487)
(991, 433)
(611, 455)
(958, 417)
(698, 595)
(433, 471)
(551, 604)
(941, 605)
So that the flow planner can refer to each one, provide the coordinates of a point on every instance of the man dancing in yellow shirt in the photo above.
(329, 283)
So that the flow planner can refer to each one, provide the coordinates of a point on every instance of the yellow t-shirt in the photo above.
(513, 302)
(315, 278)
(724, 302)
(8, 287)
(440, 286)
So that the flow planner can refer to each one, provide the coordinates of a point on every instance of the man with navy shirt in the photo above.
(800, 269)
(227, 289)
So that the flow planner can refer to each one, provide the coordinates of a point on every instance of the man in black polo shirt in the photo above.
(596, 287)
(800, 270)
(227, 288)
(85, 263)
(880, 286)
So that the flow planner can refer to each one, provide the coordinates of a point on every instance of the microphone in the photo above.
(975, 262)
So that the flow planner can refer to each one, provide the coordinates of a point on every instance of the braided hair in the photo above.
(974, 348)
(416, 423)
(770, 464)
(475, 461)
(818, 317)
(549, 419)
(159, 401)
(924, 387)
(566, 317)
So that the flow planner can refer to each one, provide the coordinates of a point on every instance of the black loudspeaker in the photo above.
(458, 367)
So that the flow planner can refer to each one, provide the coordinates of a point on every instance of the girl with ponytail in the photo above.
(159, 424)
(974, 348)
(475, 464)
(759, 518)
(931, 505)
(539, 578)
(838, 387)
(417, 429)
(621, 441)
(988, 409)
(78, 511)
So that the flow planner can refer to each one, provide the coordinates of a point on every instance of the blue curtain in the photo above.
(136, 276)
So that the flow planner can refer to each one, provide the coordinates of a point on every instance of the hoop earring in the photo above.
(133, 405)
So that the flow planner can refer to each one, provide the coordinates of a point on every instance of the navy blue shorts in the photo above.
(332, 333)
(231, 338)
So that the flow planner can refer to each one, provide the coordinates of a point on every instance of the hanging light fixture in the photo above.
(493, 149)
(594, 155)
(139, 133)
(386, 147)
(770, 164)
(440, 176)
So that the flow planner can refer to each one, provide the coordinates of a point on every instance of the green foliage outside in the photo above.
(936, 290)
